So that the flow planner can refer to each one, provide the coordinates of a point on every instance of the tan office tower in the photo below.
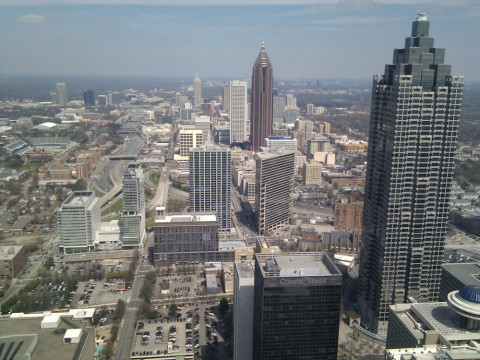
(197, 91)
(226, 97)
(62, 94)
(274, 177)
(261, 122)
(238, 111)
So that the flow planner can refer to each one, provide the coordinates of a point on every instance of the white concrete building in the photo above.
(78, 222)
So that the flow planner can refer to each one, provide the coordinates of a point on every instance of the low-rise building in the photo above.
(12, 261)
(184, 238)
(451, 329)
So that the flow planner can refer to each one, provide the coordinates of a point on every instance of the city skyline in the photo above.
(304, 41)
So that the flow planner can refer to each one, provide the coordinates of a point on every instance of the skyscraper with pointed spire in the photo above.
(261, 122)
(197, 91)
(415, 114)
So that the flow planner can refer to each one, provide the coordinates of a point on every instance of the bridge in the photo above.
(122, 157)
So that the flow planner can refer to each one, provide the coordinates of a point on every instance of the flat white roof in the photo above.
(187, 218)
(51, 319)
(82, 313)
(73, 333)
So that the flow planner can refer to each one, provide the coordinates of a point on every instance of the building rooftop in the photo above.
(245, 269)
(296, 264)
(186, 218)
(467, 273)
(49, 340)
(78, 198)
(272, 153)
(17, 346)
(9, 252)
(443, 319)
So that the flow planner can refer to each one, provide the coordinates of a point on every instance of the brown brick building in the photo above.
(348, 215)
(12, 261)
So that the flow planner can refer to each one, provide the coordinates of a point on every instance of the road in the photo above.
(243, 218)
(127, 333)
(161, 194)
(32, 266)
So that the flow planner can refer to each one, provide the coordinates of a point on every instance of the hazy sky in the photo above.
(222, 38)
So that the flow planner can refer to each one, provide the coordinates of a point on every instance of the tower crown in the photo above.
(263, 60)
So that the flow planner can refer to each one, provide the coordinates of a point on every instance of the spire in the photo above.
(262, 59)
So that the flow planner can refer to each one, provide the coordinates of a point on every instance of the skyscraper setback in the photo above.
(262, 100)
(415, 114)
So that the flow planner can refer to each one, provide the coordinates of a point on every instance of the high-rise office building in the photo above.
(53, 98)
(62, 94)
(197, 91)
(244, 280)
(279, 103)
(291, 101)
(297, 300)
(78, 222)
(178, 99)
(261, 122)
(102, 100)
(310, 109)
(211, 181)
(133, 206)
(287, 143)
(274, 177)
(413, 134)
(238, 111)
(226, 97)
(190, 139)
(88, 98)
(318, 144)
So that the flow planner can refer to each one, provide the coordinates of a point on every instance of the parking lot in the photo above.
(197, 330)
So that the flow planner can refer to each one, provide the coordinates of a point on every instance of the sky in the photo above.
(323, 39)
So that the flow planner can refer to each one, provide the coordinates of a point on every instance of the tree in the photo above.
(107, 351)
(172, 310)
(120, 308)
(223, 306)
(96, 319)
(152, 314)
(80, 185)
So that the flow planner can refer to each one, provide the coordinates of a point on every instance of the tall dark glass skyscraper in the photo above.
(261, 122)
(296, 306)
(88, 98)
(415, 113)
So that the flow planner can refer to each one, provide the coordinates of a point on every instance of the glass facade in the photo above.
(412, 141)
(296, 321)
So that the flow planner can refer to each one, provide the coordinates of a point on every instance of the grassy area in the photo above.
(116, 206)
(149, 222)
(154, 176)
(108, 181)
(180, 184)
(98, 193)
(175, 205)
(31, 166)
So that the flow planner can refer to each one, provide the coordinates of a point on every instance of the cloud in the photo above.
(32, 19)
